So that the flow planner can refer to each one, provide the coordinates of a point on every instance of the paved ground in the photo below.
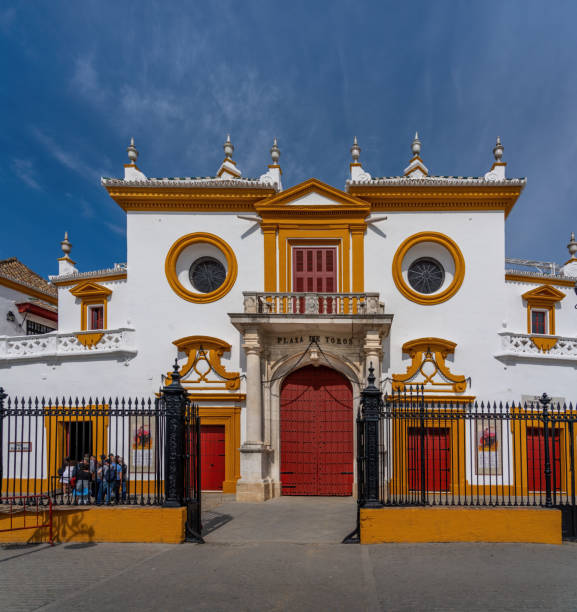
(286, 555)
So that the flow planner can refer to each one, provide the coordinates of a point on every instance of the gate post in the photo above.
(371, 407)
(175, 398)
(3, 396)
(544, 400)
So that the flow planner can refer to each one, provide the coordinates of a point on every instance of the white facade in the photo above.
(484, 315)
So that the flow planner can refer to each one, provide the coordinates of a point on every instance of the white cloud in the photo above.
(25, 171)
(67, 159)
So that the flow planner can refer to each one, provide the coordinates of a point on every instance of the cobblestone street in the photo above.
(270, 557)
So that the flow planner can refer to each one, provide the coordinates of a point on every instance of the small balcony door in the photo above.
(315, 271)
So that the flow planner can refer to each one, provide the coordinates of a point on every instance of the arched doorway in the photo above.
(316, 433)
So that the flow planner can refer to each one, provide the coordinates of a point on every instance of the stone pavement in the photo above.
(286, 555)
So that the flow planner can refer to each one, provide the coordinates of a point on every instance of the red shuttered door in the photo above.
(315, 270)
(212, 452)
(536, 459)
(316, 414)
(437, 459)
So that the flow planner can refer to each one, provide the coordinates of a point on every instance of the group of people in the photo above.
(103, 480)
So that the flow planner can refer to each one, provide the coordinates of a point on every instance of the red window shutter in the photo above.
(97, 318)
(538, 322)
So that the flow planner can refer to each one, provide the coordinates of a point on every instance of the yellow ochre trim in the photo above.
(217, 397)
(433, 351)
(172, 259)
(229, 417)
(538, 280)
(5, 282)
(89, 340)
(102, 279)
(543, 298)
(223, 199)
(537, 525)
(212, 351)
(88, 524)
(544, 344)
(91, 294)
(434, 298)
(270, 255)
(438, 197)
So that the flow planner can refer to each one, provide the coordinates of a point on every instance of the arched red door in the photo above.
(316, 433)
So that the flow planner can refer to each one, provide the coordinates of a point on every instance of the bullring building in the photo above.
(275, 302)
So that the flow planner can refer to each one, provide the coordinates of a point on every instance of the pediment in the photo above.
(90, 289)
(313, 195)
(544, 293)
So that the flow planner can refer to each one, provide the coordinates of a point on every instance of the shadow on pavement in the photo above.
(211, 521)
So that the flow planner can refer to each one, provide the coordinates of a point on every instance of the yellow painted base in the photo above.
(460, 525)
(80, 524)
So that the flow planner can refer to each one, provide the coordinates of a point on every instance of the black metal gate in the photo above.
(413, 451)
(192, 459)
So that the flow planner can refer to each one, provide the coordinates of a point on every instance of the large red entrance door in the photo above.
(316, 433)
(437, 463)
(212, 452)
(536, 459)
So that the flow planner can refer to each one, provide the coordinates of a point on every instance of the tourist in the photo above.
(83, 478)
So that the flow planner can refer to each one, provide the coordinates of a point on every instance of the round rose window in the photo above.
(426, 275)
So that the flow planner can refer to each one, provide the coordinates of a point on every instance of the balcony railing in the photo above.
(329, 304)
(522, 345)
(108, 341)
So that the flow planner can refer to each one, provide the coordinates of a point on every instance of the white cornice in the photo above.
(434, 180)
(187, 181)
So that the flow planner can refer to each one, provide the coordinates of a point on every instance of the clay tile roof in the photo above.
(16, 271)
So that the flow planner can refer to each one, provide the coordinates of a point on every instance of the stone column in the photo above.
(373, 351)
(254, 484)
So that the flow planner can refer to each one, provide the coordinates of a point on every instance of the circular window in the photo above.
(428, 268)
(207, 274)
(426, 275)
(201, 268)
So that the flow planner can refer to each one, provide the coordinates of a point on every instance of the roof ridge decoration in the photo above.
(497, 171)
(356, 168)
(131, 171)
(228, 168)
(284, 201)
(273, 175)
(416, 168)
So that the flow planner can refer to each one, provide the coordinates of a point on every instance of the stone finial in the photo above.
(65, 245)
(355, 151)
(416, 168)
(275, 152)
(132, 152)
(65, 264)
(572, 246)
(228, 147)
(416, 146)
(498, 150)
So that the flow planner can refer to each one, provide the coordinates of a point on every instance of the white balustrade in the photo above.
(313, 303)
(513, 344)
(56, 344)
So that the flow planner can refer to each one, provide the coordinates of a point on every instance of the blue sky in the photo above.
(79, 79)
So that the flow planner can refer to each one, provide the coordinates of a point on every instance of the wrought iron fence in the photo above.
(84, 451)
(105, 451)
(414, 451)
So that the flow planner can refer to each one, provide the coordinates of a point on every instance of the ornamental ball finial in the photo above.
(572, 246)
(132, 152)
(416, 146)
(65, 245)
(275, 152)
(355, 151)
(228, 147)
(498, 150)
